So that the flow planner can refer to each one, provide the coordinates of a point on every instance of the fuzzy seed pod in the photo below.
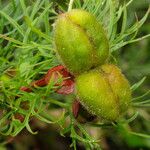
(104, 92)
(80, 41)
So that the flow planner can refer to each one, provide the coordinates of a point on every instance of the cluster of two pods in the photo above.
(83, 47)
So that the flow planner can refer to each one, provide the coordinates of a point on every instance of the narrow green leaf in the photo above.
(13, 22)
(136, 85)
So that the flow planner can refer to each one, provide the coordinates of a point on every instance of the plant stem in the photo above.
(70, 5)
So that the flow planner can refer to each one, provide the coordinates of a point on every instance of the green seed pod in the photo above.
(80, 41)
(104, 92)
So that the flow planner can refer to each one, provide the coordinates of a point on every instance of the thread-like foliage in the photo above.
(27, 52)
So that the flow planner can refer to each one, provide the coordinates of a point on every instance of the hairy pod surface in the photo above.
(104, 92)
(80, 41)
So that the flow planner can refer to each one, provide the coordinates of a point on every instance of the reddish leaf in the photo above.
(26, 89)
(55, 72)
(40, 82)
(19, 117)
(67, 86)
(75, 108)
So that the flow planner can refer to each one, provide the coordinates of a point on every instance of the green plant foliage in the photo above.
(27, 52)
